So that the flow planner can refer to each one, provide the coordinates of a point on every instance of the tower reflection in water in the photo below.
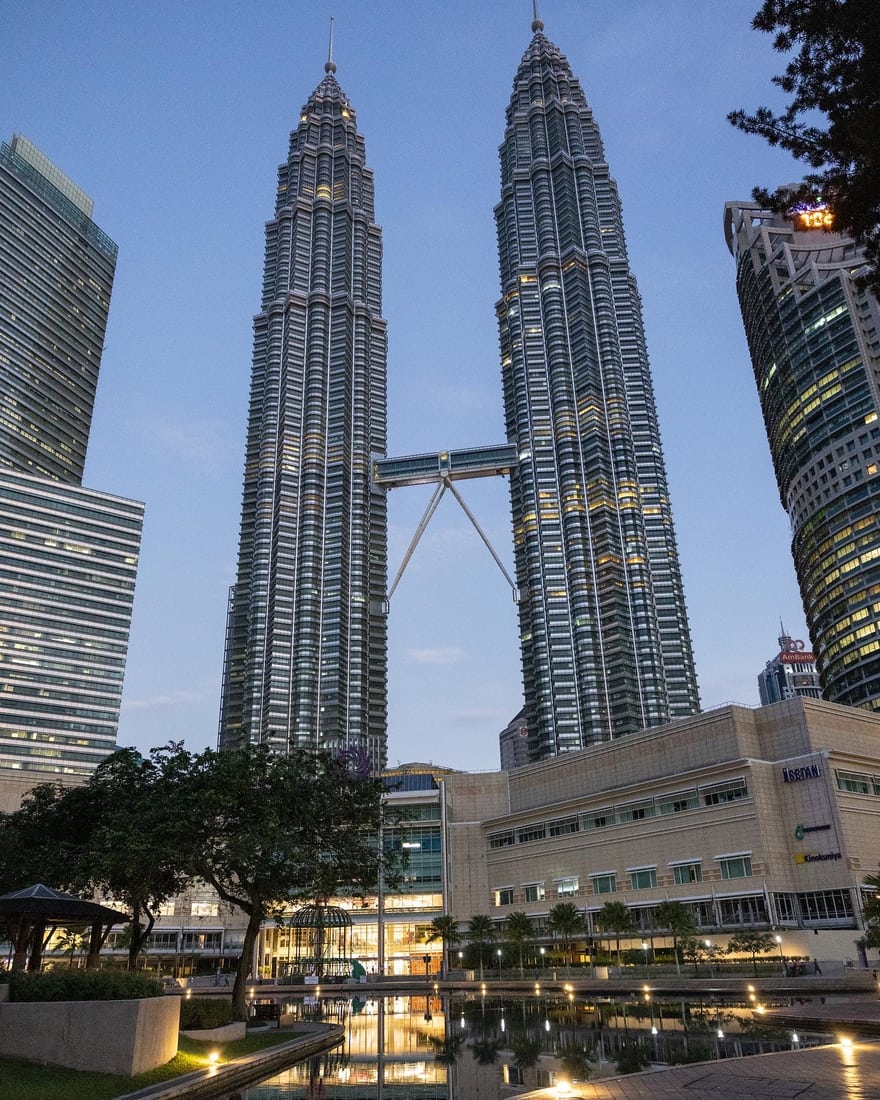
(476, 1047)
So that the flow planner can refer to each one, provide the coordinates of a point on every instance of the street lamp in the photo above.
(781, 956)
(645, 949)
(542, 950)
(461, 960)
(499, 963)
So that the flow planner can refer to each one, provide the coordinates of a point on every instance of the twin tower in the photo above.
(605, 641)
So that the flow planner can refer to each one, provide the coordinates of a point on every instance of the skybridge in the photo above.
(442, 468)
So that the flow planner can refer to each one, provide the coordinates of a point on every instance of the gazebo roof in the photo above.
(41, 902)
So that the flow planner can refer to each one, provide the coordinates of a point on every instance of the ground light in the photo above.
(563, 1088)
(214, 1060)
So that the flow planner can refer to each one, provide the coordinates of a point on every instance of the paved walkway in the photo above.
(849, 1069)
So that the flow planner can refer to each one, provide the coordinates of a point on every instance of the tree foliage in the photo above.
(519, 930)
(679, 920)
(832, 120)
(444, 928)
(872, 910)
(749, 941)
(615, 917)
(566, 921)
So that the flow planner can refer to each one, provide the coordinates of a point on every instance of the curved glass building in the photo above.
(812, 334)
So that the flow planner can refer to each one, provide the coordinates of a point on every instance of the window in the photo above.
(635, 811)
(826, 905)
(676, 802)
(597, 820)
(855, 782)
(204, 908)
(604, 884)
(501, 840)
(562, 826)
(504, 895)
(567, 887)
(534, 891)
(747, 910)
(686, 873)
(735, 866)
(731, 791)
(643, 878)
(531, 832)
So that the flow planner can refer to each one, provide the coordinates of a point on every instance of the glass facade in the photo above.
(68, 555)
(813, 337)
(306, 653)
(605, 640)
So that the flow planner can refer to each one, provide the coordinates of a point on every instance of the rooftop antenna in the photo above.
(330, 64)
(537, 25)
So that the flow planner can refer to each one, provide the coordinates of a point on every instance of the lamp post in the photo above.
(542, 950)
(645, 949)
(461, 960)
(499, 963)
(781, 955)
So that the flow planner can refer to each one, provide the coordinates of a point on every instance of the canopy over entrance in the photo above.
(31, 915)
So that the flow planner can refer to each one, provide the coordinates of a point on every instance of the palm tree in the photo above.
(445, 929)
(871, 906)
(615, 917)
(519, 930)
(679, 920)
(566, 921)
(480, 933)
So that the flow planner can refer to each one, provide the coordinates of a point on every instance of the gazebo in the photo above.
(321, 940)
(32, 914)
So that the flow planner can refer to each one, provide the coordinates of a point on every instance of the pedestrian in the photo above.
(226, 983)
(816, 966)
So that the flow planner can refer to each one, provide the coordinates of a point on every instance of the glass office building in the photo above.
(605, 639)
(306, 649)
(68, 555)
(813, 338)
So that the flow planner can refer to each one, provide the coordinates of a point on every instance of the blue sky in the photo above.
(174, 116)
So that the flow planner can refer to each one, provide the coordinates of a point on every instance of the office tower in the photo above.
(791, 672)
(812, 335)
(68, 555)
(306, 649)
(605, 639)
(513, 743)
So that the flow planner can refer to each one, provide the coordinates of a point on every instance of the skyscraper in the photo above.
(306, 650)
(791, 672)
(605, 638)
(812, 333)
(68, 555)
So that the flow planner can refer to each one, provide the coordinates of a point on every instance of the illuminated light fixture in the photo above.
(845, 1041)
(546, 1025)
(720, 1033)
(563, 1088)
(760, 1010)
(654, 1029)
(795, 1038)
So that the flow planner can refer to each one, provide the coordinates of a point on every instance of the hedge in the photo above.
(81, 985)
(204, 1012)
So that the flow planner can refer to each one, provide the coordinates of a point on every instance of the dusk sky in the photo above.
(174, 117)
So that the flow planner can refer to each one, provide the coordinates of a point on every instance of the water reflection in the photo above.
(480, 1047)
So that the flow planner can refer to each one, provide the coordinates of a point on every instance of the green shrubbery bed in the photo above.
(204, 1012)
(81, 985)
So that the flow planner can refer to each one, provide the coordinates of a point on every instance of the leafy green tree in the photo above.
(678, 920)
(631, 1058)
(872, 911)
(832, 119)
(481, 935)
(444, 928)
(749, 941)
(266, 828)
(694, 950)
(566, 921)
(615, 917)
(519, 930)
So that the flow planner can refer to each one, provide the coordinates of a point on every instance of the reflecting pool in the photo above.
(482, 1047)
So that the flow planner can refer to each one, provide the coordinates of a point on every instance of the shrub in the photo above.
(81, 985)
(204, 1012)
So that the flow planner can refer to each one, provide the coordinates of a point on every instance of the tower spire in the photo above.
(330, 64)
(537, 25)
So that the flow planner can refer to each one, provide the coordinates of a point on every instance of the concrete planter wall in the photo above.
(124, 1037)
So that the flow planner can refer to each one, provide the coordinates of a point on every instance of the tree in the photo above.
(678, 919)
(519, 930)
(749, 941)
(445, 929)
(615, 917)
(566, 921)
(480, 934)
(834, 78)
(266, 828)
(871, 908)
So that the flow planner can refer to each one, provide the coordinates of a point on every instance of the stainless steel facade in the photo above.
(605, 639)
(813, 338)
(68, 555)
(306, 652)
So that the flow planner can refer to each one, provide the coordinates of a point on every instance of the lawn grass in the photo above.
(27, 1081)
